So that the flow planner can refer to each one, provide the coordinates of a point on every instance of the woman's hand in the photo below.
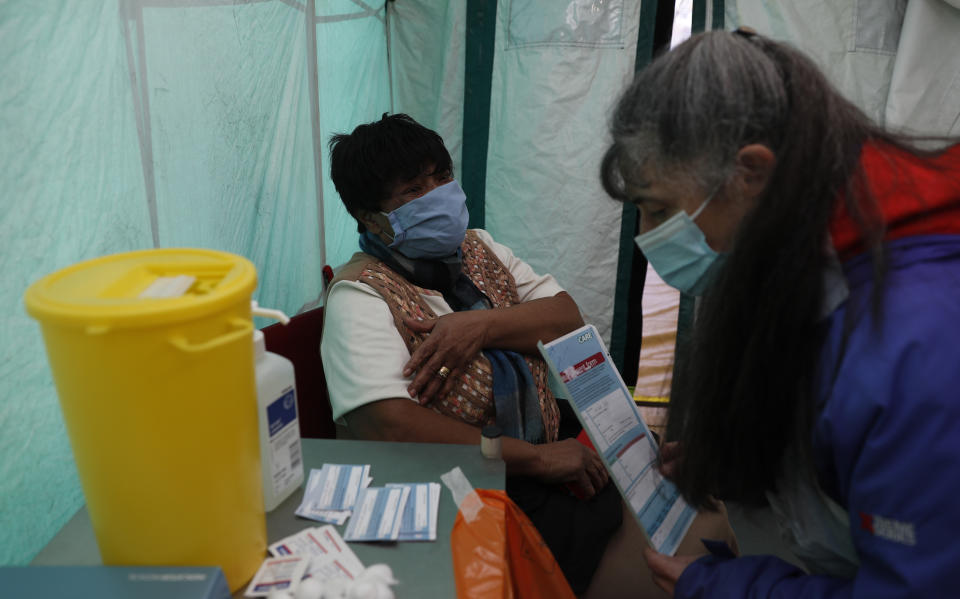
(570, 461)
(455, 340)
(666, 569)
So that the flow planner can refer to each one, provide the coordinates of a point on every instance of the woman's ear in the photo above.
(378, 224)
(755, 164)
(369, 221)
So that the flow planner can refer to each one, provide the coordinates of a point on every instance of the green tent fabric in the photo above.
(130, 124)
(899, 61)
(552, 91)
(134, 124)
(556, 70)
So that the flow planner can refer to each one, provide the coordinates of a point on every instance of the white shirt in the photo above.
(363, 353)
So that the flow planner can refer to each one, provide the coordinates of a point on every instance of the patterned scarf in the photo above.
(514, 390)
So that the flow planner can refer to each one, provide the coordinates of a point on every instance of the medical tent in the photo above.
(132, 124)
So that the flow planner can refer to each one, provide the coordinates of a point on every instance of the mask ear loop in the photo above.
(391, 233)
(710, 197)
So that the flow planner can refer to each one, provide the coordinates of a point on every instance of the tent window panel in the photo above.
(582, 23)
(229, 112)
(354, 89)
(878, 25)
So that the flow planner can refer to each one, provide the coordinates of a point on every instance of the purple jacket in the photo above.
(886, 441)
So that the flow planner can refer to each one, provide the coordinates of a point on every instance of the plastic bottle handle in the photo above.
(244, 328)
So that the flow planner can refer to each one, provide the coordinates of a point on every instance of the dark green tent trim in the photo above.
(699, 21)
(628, 221)
(719, 19)
(478, 77)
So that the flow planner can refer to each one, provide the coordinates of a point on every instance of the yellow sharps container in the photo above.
(152, 356)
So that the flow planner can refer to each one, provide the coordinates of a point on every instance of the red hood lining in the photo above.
(914, 196)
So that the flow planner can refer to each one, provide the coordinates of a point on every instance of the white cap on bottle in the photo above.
(259, 343)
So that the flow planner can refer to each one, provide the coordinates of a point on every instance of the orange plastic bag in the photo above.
(500, 555)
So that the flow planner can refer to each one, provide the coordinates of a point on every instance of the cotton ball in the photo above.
(335, 588)
(310, 588)
(380, 573)
(369, 589)
(384, 592)
(363, 589)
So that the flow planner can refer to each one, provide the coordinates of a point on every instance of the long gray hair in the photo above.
(691, 110)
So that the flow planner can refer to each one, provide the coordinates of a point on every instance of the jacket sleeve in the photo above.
(754, 576)
(902, 497)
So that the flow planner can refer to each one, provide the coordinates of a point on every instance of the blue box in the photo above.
(114, 582)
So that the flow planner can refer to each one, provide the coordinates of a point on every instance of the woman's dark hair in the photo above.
(744, 389)
(367, 163)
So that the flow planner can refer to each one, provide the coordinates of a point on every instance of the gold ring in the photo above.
(444, 372)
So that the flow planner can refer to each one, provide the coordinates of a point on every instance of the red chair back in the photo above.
(299, 342)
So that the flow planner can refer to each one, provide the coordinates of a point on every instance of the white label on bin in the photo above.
(284, 440)
(168, 287)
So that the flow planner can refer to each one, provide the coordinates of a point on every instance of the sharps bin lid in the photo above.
(142, 288)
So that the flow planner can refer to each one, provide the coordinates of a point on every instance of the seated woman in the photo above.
(430, 334)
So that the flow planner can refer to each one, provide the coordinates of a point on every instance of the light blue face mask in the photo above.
(431, 226)
(679, 253)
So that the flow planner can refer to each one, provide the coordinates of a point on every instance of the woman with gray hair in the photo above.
(822, 373)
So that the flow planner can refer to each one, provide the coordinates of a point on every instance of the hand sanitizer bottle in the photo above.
(280, 454)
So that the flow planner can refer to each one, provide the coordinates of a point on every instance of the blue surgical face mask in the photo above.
(431, 226)
(679, 253)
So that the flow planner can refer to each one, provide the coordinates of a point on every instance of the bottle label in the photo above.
(284, 440)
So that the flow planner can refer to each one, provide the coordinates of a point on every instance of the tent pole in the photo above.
(699, 19)
(480, 39)
(386, 26)
(141, 107)
(310, 24)
(719, 18)
(628, 221)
